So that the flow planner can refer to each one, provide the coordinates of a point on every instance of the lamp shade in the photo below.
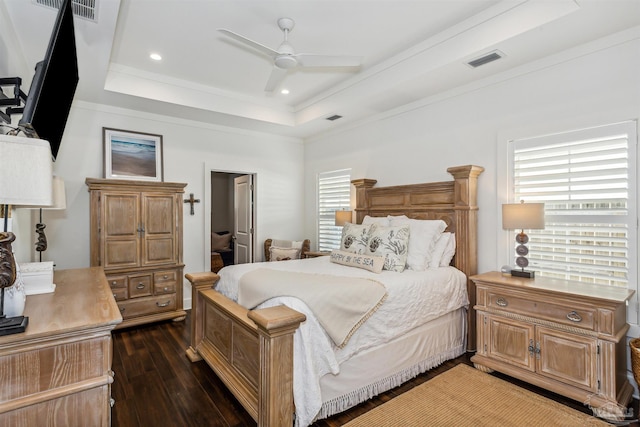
(26, 171)
(342, 217)
(59, 194)
(523, 216)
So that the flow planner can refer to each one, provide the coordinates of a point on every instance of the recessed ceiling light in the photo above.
(155, 56)
(285, 91)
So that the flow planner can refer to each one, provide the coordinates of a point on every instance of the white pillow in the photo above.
(367, 262)
(424, 234)
(380, 220)
(355, 238)
(439, 249)
(392, 243)
(449, 251)
(283, 254)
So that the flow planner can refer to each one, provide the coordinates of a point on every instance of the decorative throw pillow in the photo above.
(283, 254)
(380, 220)
(367, 262)
(438, 250)
(355, 238)
(392, 243)
(449, 251)
(424, 234)
(220, 242)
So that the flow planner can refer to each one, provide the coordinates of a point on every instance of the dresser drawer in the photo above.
(120, 294)
(165, 276)
(566, 313)
(117, 281)
(140, 286)
(147, 305)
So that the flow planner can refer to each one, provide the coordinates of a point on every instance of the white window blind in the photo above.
(587, 181)
(334, 194)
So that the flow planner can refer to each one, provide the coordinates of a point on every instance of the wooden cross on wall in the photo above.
(191, 200)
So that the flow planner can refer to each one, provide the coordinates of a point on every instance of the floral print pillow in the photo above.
(390, 242)
(355, 238)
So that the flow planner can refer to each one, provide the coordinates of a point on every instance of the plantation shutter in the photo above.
(587, 181)
(334, 194)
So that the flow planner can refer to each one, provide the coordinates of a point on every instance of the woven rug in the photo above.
(464, 396)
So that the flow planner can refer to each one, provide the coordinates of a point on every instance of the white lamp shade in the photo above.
(342, 217)
(59, 194)
(523, 216)
(26, 171)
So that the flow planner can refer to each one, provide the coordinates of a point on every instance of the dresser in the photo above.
(58, 372)
(136, 236)
(567, 337)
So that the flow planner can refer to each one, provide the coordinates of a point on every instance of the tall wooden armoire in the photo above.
(136, 236)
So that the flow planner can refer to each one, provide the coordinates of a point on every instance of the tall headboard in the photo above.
(455, 202)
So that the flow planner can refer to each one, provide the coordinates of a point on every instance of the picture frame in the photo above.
(132, 155)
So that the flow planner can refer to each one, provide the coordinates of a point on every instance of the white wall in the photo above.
(590, 85)
(188, 147)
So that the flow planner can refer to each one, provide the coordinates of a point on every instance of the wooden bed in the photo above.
(252, 350)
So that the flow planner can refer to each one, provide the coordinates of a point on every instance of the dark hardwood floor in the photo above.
(156, 385)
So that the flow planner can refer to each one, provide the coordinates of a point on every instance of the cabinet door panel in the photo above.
(568, 357)
(509, 341)
(159, 245)
(120, 230)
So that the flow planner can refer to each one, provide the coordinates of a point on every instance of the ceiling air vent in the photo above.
(85, 9)
(334, 117)
(485, 59)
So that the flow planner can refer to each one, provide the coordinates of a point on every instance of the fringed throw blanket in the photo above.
(341, 304)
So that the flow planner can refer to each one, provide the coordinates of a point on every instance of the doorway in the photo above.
(231, 204)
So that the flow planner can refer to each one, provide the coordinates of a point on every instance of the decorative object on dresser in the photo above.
(136, 236)
(25, 179)
(521, 216)
(58, 372)
(567, 337)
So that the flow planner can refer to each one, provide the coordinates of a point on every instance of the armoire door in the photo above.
(159, 229)
(121, 230)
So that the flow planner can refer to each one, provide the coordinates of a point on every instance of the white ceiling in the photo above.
(411, 50)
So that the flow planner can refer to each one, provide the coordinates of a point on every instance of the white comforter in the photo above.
(414, 297)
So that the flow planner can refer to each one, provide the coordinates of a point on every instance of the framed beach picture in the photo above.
(132, 155)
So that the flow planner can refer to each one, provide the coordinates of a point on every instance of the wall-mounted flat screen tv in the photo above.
(54, 84)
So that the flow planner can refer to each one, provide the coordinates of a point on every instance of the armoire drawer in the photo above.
(147, 305)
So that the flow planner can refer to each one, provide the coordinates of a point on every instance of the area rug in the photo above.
(464, 396)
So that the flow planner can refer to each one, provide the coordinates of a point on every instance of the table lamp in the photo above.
(342, 217)
(522, 216)
(25, 179)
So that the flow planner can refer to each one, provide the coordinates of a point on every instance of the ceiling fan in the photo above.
(285, 58)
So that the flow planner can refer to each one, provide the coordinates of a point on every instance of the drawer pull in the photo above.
(502, 302)
(114, 283)
(114, 295)
(166, 289)
(121, 309)
(140, 286)
(165, 277)
(163, 304)
(574, 316)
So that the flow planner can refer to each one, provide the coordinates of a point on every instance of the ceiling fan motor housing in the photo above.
(285, 61)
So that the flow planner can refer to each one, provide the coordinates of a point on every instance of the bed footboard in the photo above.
(251, 351)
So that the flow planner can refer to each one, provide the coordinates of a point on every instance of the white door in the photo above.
(243, 212)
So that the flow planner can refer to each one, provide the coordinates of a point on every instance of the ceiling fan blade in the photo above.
(276, 77)
(313, 60)
(262, 48)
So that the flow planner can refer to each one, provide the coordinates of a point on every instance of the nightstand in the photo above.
(567, 337)
(313, 254)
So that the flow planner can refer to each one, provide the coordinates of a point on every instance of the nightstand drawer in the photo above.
(566, 313)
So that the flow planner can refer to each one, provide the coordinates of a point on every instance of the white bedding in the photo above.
(414, 297)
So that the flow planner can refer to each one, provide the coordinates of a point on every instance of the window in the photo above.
(587, 180)
(334, 194)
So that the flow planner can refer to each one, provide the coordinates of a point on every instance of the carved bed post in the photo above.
(276, 326)
(199, 281)
(466, 210)
(362, 201)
